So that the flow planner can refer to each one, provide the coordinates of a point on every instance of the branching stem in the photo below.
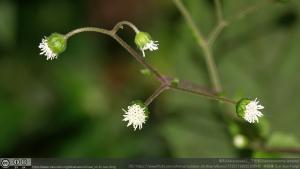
(166, 82)
(156, 93)
(208, 56)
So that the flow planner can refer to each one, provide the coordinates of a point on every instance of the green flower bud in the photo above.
(175, 82)
(57, 43)
(144, 42)
(146, 72)
(53, 45)
(141, 39)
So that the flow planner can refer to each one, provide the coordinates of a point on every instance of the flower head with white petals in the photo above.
(45, 50)
(249, 110)
(144, 42)
(136, 115)
(52, 46)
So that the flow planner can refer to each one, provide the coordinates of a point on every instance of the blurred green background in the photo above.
(71, 106)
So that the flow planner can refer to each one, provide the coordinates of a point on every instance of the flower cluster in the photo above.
(53, 45)
(249, 110)
(136, 115)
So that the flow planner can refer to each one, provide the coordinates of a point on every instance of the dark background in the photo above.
(72, 106)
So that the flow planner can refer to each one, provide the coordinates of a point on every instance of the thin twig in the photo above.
(219, 10)
(139, 58)
(88, 29)
(203, 93)
(212, 69)
(189, 84)
(156, 93)
(119, 25)
(190, 87)
(249, 10)
(216, 32)
(221, 23)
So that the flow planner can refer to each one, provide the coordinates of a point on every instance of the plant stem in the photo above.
(88, 29)
(166, 82)
(219, 10)
(221, 23)
(113, 34)
(208, 56)
(189, 87)
(216, 32)
(203, 93)
(120, 25)
(139, 58)
(156, 93)
(249, 10)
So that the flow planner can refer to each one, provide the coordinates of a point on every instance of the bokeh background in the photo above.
(71, 106)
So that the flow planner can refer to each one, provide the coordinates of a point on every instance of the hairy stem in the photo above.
(208, 56)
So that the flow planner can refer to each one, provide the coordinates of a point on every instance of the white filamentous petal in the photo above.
(151, 45)
(252, 111)
(45, 50)
(135, 115)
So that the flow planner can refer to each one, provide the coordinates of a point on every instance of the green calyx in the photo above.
(141, 104)
(241, 107)
(57, 43)
(141, 39)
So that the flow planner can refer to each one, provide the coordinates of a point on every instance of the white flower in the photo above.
(151, 45)
(252, 111)
(135, 115)
(45, 50)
